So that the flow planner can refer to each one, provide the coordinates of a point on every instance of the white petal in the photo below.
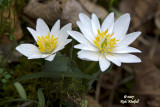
(95, 24)
(88, 55)
(63, 35)
(86, 33)
(108, 23)
(45, 55)
(28, 50)
(126, 49)
(34, 33)
(55, 29)
(128, 39)
(67, 41)
(121, 26)
(50, 58)
(128, 58)
(42, 28)
(79, 37)
(104, 63)
(113, 59)
(86, 47)
(85, 21)
(36, 56)
(60, 47)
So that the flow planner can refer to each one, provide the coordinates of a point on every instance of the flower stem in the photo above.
(90, 67)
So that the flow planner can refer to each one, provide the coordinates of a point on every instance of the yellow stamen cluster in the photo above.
(104, 41)
(46, 43)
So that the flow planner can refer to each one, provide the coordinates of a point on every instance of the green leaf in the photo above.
(4, 80)
(60, 63)
(90, 67)
(73, 66)
(21, 91)
(55, 75)
(7, 76)
(1, 70)
(41, 98)
(17, 100)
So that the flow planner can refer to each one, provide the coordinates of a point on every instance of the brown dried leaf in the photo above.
(65, 10)
(147, 81)
(142, 11)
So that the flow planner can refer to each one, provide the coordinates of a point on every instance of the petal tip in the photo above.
(81, 14)
(39, 20)
(139, 32)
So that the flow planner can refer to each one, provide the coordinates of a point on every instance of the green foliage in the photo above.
(59, 64)
(21, 91)
(41, 98)
(8, 91)
(4, 75)
(54, 75)
(17, 100)
(61, 88)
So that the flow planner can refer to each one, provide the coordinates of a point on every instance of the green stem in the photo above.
(110, 4)
(62, 80)
(90, 67)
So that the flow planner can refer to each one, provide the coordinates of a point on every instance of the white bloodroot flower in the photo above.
(105, 43)
(49, 42)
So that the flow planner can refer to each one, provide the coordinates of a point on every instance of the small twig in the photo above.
(144, 41)
(98, 88)
(153, 48)
(127, 68)
(117, 76)
(127, 79)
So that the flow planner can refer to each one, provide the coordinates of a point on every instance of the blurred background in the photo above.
(140, 80)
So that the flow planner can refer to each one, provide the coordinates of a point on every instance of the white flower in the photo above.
(49, 42)
(105, 43)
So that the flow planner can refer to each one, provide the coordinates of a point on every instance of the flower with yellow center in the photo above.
(105, 43)
(48, 42)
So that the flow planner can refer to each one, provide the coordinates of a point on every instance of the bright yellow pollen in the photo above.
(47, 43)
(105, 42)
